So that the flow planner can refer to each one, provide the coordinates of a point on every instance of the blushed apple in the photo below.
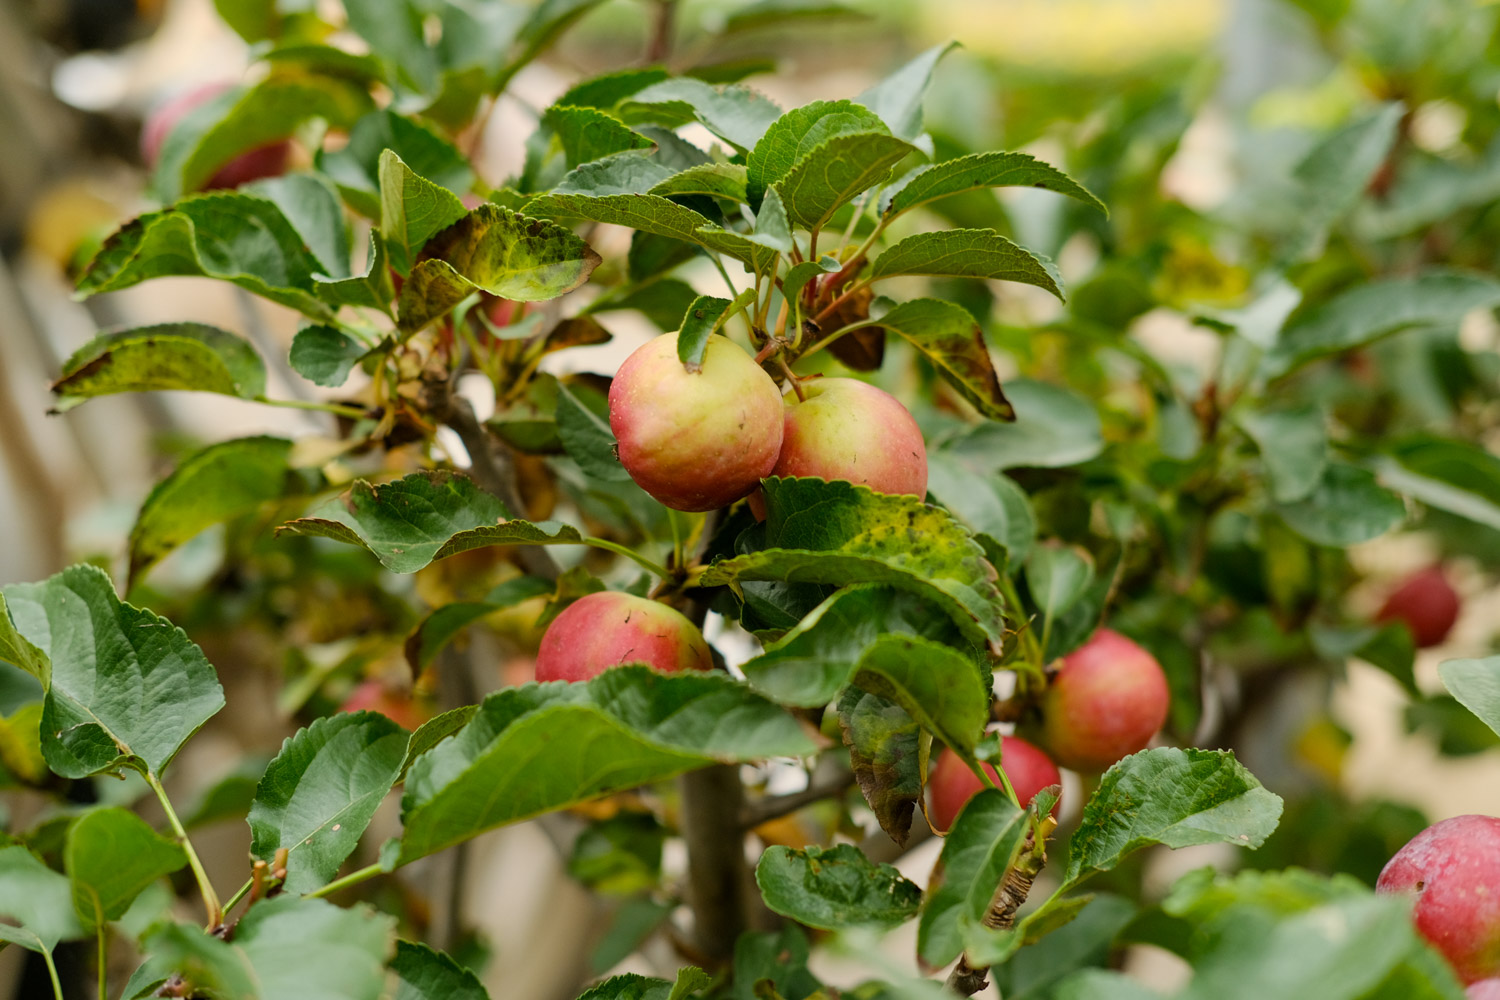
(609, 628)
(1427, 603)
(953, 784)
(848, 429)
(1106, 702)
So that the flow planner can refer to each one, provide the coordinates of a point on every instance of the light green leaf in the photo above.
(425, 974)
(1449, 474)
(1333, 176)
(967, 253)
(587, 438)
(1102, 984)
(836, 171)
(126, 686)
(208, 487)
(1179, 798)
(796, 134)
(798, 275)
(320, 792)
(38, 899)
(15, 648)
(772, 229)
(228, 235)
(588, 134)
(715, 180)
(1475, 683)
(835, 888)
(898, 98)
(630, 172)
(1293, 447)
(951, 339)
(311, 204)
(1347, 507)
(111, 857)
(1058, 576)
(976, 853)
(356, 167)
(412, 209)
(538, 748)
(432, 732)
(373, 289)
(183, 356)
(1054, 427)
(837, 533)
(982, 170)
(312, 950)
(992, 505)
(735, 113)
(423, 517)
(705, 317)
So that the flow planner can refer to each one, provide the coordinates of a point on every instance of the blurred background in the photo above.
(1185, 116)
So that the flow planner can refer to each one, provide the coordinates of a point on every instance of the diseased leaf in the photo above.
(796, 134)
(982, 170)
(836, 171)
(1347, 507)
(183, 356)
(898, 98)
(967, 253)
(884, 744)
(321, 791)
(951, 339)
(412, 210)
(835, 887)
(976, 853)
(111, 856)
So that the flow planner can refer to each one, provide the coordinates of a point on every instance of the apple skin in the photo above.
(270, 160)
(1106, 702)
(609, 628)
(695, 440)
(848, 429)
(953, 784)
(1427, 603)
(1485, 989)
(373, 696)
(1452, 869)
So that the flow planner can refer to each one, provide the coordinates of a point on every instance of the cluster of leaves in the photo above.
(1205, 513)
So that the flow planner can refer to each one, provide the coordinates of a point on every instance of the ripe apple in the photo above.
(606, 629)
(1485, 989)
(952, 783)
(373, 696)
(1427, 603)
(1106, 702)
(1452, 869)
(695, 440)
(848, 429)
(265, 161)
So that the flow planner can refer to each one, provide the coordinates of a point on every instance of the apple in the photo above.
(609, 628)
(1427, 603)
(848, 429)
(1452, 872)
(695, 440)
(373, 696)
(1106, 702)
(952, 782)
(265, 161)
(1485, 989)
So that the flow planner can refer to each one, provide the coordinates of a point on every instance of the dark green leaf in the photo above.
(325, 355)
(976, 853)
(982, 170)
(778, 957)
(184, 356)
(373, 289)
(1179, 798)
(356, 167)
(951, 339)
(210, 486)
(587, 438)
(412, 209)
(704, 317)
(651, 213)
(734, 113)
(609, 89)
(434, 731)
(796, 134)
(126, 685)
(312, 206)
(1347, 507)
(967, 253)
(798, 275)
(884, 744)
(425, 974)
(663, 302)
(1293, 446)
(111, 856)
(1082, 942)
(1475, 683)
(835, 887)
(38, 899)
(630, 986)
(630, 172)
(1451, 475)
(898, 98)
(587, 134)
(714, 180)
(835, 172)
(837, 533)
(542, 747)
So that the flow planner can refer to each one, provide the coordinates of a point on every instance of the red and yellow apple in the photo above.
(1427, 603)
(609, 628)
(953, 784)
(1106, 701)
(695, 440)
(848, 429)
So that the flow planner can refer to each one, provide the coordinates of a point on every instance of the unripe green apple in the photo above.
(848, 429)
(1106, 702)
(695, 440)
(1452, 871)
(609, 628)
(953, 784)
(1427, 603)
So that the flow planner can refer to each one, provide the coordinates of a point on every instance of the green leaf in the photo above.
(1102, 984)
(320, 792)
(21, 740)
(786, 14)
(412, 209)
(608, 89)
(1179, 798)
(373, 289)
(1368, 312)
(313, 950)
(713, 180)
(208, 965)
(324, 355)
(38, 899)
(111, 856)
(15, 648)
(796, 134)
(798, 275)
(772, 228)
(705, 317)
(548, 20)
(838, 533)
(735, 113)
(630, 172)
(421, 518)
(651, 213)
(538, 748)
(228, 235)
(1333, 176)
(992, 505)
(982, 170)
(1347, 507)
(253, 20)
(126, 685)
(885, 754)
(663, 302)
(1054, 427)
(587, 134)
(311, 204)
(835, 888)
(184, 356)
(440, 627)
(1082, 942)
(898, 98)
(976, 853)
(951, 339)
(587, 438)
(1058, 576)
(228, 797)
(208, 487)
(356, 167)
(434, 731)
(396, 34)
(1475, 683)
(967, 253)
(836, 171)
(495, 250)
(1452, 475)
(779, 957)
(426, 974)
(1389, 647)
(1293, 446)
(619, 856)
(631, 986)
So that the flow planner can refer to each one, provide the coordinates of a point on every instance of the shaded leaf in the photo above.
(587, 438)
(967, 253)
(373, 289)
(443, 624)
(992, 505)
(311, 204)
(976, 853)
(836, 171)
(1475, 683)
(835, 887)
(183, 356)
(111, 856)
(324, 355)
(982, 170)
(1054, 427)
(38, 899)
(425, 974)
(1293, 446)
(1335, 173)
(650, 213)
(412, 209)
(1058, 576)
(951, 339)
(1345, 508)
(630, 172)
(884, 744)
(1452, 475)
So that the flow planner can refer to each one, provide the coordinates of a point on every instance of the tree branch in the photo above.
(713, 799)
(966, 980)
(776, 806)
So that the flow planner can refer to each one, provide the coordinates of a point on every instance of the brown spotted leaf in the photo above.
(950, 337)
(884, 750)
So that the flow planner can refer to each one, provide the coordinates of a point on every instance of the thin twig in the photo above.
(777, 806)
